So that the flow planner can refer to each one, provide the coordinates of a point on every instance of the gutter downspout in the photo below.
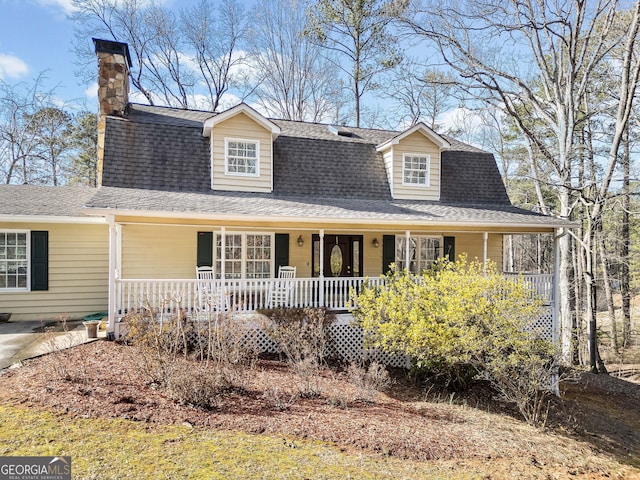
(485, 239)
(321, 275)
(114, 274)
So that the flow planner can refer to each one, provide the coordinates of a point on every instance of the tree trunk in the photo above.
(607, 291)
(625, 289)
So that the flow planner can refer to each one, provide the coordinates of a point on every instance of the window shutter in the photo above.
(449, 248)
(205, 249)
(282, 250)
(388, 251)
(39, 260)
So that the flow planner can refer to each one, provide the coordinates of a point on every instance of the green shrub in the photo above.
(461, 321)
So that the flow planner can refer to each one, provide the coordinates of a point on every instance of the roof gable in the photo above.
(239, 109)
(440, 141)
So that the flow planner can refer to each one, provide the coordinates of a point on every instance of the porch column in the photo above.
(114, 274)
(407, 250)
(555, 308)
(555, 290)
(223, 240)
(321, 275)
(485, 239)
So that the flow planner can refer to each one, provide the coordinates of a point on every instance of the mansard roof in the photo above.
(160, 148)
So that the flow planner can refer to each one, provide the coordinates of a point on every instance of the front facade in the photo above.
(245, 195)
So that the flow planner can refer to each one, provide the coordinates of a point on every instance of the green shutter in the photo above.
(388, 251)
(282, 250)
(39, 260)
(449, 248)
(205, 249)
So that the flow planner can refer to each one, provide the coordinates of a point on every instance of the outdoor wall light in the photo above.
(375, 243)
(300, 241)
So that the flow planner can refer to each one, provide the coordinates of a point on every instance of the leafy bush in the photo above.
(460, 321)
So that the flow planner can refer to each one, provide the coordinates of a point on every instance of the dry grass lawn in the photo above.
(93, 403)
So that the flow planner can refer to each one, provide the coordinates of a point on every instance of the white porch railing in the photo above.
(170, 295)
(542, 284)
(167, 296)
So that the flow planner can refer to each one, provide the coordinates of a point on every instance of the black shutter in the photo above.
(449, 248)
(205, 249)
(388, 251)
(282, 250)
(39, 260)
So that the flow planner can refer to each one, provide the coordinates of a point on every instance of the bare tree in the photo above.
(214, 41)
(419, 93)
(296, 82)
(172, 57)
(18, 135)
(357, 38)
(51, 129)
(556, 48)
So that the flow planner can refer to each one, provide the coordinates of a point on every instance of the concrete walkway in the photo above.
(24, 339)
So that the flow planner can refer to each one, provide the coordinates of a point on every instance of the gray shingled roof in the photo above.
(252, 205)
(163, 148)
(19, 200)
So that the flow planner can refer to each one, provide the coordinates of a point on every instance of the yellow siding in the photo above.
(159, 251)
(388, 165)
(372, 255)
(241, 127)
(170, 252)
(469, 243)
(416, 143)
(300, 257)
(78, 274)
(473, 245)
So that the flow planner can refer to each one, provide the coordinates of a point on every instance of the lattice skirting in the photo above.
(346, 341)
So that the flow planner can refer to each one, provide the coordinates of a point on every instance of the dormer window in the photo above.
(415, 169)
(241, 157)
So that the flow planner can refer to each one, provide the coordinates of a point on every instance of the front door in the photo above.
(342, 255)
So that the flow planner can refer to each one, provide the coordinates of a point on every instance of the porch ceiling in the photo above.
(251, 208)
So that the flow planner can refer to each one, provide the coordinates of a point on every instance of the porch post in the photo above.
(555, 309)
(555, 289)
(407, 250)
(223, 240)
(321, 275)
(113, 273)
(485, 240)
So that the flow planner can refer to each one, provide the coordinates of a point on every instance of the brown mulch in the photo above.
(598, 415)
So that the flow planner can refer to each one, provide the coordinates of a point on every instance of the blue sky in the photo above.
(35, 37)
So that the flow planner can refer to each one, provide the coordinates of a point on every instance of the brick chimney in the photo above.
(113, 89)
(113, 76)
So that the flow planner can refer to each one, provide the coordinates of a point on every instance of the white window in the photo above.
(242, 157)
(423, 251)
(14, 259)
(415, 169)
(247, 255)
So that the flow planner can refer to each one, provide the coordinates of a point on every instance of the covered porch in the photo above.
(153, 265)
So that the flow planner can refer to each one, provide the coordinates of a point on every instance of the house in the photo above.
(245, 194)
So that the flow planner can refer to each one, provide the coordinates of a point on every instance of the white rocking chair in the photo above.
(282, 289)
(210, 296)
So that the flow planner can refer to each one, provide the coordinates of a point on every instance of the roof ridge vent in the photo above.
(339, 130)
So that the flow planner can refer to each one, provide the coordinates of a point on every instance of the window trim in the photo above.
(27, 288)
(399, 238)
(243, 259)
(227, 140)
(427, 177)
